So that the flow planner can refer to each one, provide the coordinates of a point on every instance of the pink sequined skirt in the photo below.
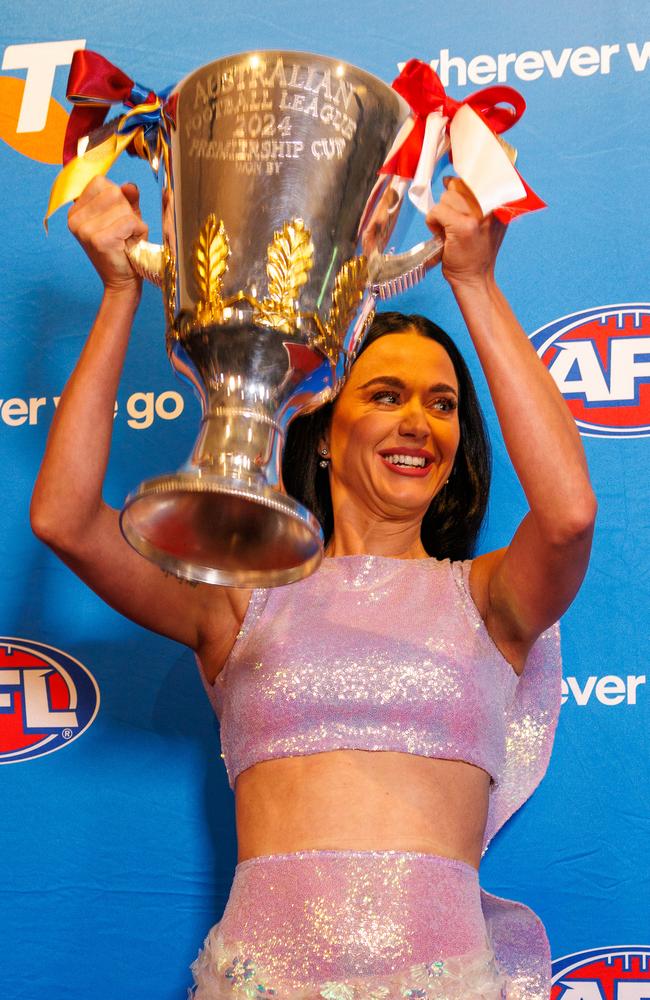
(350, 925)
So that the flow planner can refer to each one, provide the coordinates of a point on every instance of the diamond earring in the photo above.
(325, 461)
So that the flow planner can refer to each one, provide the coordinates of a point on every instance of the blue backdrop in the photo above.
(118, 850)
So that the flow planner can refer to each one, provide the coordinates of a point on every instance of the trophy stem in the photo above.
(219, 520)
(236, 441)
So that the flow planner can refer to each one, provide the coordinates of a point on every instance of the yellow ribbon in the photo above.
(79, 172)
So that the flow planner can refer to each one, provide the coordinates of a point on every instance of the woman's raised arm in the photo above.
(67, 511)
(522, 589)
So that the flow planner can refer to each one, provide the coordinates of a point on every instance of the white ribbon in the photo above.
(482, 163)
(434, 147)
(480, 160)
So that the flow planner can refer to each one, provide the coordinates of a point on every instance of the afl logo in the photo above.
(600, 360)
(619, 973)
(47, 699)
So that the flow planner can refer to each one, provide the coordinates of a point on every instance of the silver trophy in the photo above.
(275, 223)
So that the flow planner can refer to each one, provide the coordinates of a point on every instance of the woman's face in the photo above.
(394, 430)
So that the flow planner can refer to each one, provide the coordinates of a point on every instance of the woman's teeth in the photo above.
(406, 460)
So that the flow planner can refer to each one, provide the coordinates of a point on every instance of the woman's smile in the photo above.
(407, 461)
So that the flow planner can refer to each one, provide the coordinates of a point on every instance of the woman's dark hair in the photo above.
(452, 523)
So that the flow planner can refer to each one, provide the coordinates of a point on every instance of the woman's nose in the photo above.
(413, 421)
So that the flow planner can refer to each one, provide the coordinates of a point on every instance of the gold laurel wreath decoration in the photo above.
(211, 252)
(289, 259)
(347, 294)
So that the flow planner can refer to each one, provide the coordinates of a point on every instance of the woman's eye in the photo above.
(385, 396)
(391, 397)
(445, 403)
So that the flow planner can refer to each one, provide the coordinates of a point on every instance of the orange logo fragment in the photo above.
(45, 146)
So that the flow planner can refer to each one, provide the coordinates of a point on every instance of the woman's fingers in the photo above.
(457, 202)
(461, 196)
(471, 240)
(110, 230)
(447, 215)
(100, 193)
(100, 203)
(94, 188)
(102, 219)
(132, 195)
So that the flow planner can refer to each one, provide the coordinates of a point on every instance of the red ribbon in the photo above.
(421, 87)
(94, 84)
(499, 107)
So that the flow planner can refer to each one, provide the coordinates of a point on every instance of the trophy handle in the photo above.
(392, 273)
(389, 273)
(147, 260)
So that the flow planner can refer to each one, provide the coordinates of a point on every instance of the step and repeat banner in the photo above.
(117, 839)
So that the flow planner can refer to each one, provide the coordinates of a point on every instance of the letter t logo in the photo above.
(40, 59)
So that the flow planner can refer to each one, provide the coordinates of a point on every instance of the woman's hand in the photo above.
(104, 218)
(472, 241)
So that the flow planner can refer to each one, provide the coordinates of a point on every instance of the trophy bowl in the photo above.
(275, 220)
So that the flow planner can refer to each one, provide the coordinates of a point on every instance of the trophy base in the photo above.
(209, 529)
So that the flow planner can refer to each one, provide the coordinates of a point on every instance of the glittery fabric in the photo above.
(384, 654)
(371, 654)
(351, 925)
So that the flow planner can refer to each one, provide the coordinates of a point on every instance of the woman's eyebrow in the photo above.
(396, 383)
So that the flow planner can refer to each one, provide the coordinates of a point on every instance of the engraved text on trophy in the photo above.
(258, 104)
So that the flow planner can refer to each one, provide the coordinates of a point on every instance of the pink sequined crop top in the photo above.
(368, 653)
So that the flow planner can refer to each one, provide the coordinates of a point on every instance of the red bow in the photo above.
(94, 84)
(499, 107)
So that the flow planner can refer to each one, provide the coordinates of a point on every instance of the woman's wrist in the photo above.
(475, 286)
(124, 297)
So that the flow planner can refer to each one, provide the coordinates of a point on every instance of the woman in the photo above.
(357, 870)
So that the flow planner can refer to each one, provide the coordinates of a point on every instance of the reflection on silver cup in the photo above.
(274, 230)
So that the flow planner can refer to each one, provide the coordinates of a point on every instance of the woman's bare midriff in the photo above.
(362, 800)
